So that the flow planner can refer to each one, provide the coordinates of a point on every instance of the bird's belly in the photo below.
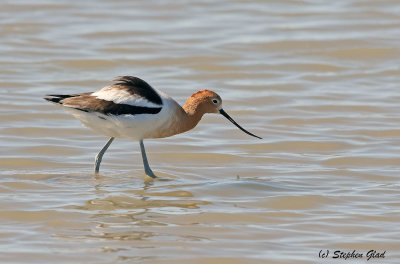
(134, 127)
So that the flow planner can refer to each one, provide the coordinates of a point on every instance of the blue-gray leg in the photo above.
(99, 156)
(147, 169)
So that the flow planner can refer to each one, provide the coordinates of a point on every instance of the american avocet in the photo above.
(131, 108)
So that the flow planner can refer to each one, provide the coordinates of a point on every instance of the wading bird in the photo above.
(131, 108)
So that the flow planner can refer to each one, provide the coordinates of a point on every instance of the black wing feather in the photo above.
(87, 103)
(137, 86)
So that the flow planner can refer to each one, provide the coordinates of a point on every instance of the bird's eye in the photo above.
(215, 101)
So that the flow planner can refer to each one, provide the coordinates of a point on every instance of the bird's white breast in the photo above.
(135, 127)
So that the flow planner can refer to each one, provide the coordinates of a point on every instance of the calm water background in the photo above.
(318, 80)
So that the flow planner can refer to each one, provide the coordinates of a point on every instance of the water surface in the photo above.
(317, 80)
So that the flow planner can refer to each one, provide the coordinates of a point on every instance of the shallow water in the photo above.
(318, 80)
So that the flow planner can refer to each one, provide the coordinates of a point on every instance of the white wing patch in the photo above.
(120, 96)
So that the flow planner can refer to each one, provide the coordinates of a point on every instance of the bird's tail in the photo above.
(56, 98)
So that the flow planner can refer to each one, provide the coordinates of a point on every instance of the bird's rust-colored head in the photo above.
(206, 101)
(202, 102)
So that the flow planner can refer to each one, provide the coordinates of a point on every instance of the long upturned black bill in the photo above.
(236, 124)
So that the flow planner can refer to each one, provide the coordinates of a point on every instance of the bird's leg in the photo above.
(99, 156)
(147, 169)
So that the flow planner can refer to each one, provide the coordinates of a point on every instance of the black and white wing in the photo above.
(127, 96)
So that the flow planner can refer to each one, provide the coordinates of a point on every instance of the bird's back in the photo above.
(128, 108)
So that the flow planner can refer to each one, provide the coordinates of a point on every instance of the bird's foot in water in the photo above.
(150, 173)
